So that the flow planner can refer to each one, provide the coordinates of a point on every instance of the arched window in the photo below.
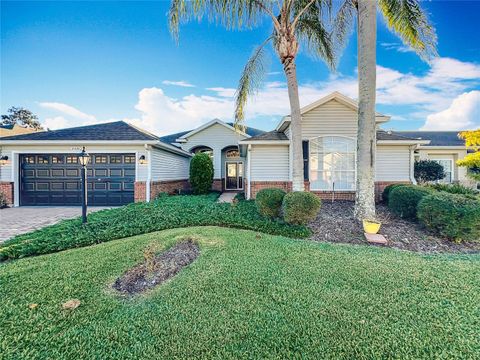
(232, 153)
(332, 163)
(203, 149)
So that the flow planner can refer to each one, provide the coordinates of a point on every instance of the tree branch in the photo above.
(276, 24)
(295, 21)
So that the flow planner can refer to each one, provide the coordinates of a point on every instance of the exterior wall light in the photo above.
(3, 160)
(142, 160)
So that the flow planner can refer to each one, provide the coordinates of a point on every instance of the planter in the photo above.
(371, 227)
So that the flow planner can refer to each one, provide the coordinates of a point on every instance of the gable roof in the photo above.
(437, 138)
(112, 131)
(207, 125)
(171, 138)
(345, 100)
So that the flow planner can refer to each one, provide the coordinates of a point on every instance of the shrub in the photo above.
(456, 189)
(453, 216)
(269, 202)
(403, 200)
(166, 212)
(428, 170)
(201, 173)
(387, 190)
(300, 207)
(3, 200)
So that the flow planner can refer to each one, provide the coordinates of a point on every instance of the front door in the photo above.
(234, 175)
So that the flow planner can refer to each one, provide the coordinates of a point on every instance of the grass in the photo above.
(244, 297)
(166, 212)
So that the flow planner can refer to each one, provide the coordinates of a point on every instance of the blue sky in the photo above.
(76, 63)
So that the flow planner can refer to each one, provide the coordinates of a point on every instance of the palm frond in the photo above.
(235, 14)
(252, 78)
(411, 24)
(343, 24)
(310, 29)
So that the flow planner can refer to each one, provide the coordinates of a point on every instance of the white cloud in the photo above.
(463, 113)
(399, 47)
(427, 95)
(177, 83)
(70, 117)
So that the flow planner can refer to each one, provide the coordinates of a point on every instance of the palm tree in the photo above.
(295, 23)
(410, 23)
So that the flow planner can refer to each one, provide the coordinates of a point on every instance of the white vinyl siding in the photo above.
(331, 118)
(288, 132)
(6, 170)
(216, 137)
(269, 163)
(168, 166)
(392, 163)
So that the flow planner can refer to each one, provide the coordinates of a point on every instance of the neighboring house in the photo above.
(129, 164)
(15, 129)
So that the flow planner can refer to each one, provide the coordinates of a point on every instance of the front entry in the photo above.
(234, 175)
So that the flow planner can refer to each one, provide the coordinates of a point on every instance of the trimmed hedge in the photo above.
(300, 207)
(386, 191)
(456, 189)
(167, 212)
(453, 216)
(403, 200)
(201, 173)
(269, 202)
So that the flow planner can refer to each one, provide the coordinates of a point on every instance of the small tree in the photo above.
(201, 173)
(428, 170)
(22, 117)
(472, 160)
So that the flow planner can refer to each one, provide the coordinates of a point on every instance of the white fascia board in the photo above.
(265, 142)
(402, 142)
(443, 147)
(78, 142)
(172, 149)
(207, 125)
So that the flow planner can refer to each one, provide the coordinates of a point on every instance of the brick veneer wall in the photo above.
(218, 184)
(170, 186)
(324, 195)
(256, 186)
(6, 188)
(140, 191)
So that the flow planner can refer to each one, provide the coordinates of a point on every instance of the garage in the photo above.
(55, 179)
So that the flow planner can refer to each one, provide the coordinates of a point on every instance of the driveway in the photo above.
(19, 220)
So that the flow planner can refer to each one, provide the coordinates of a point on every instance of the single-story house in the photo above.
(129, 164)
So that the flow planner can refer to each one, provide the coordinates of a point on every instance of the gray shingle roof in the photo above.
(437, 138)
(118, 130)
(392, 135)
(172, 137)
(270, 135)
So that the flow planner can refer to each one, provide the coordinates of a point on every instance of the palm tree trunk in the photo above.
(366, 143)
(295, 125)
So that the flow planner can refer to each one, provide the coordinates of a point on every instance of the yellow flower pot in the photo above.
(371, 227)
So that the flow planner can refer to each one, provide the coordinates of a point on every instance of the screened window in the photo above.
(332, 163)
(448, 169)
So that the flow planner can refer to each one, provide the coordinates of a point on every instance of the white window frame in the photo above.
(354, 164)
(452, 177)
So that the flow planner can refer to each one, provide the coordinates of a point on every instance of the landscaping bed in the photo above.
(335, 223)
(157, 268)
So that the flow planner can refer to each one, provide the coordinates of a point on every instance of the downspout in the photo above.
(149, 174)
(412, 164)
(249, 169)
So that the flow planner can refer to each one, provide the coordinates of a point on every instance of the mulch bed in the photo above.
(335, 223)
(164, 267)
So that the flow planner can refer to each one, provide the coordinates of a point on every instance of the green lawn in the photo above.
(244, 297)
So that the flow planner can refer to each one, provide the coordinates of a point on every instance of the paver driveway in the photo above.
(19, 220)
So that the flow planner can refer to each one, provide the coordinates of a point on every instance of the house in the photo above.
(129, 164)
(15, 129)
